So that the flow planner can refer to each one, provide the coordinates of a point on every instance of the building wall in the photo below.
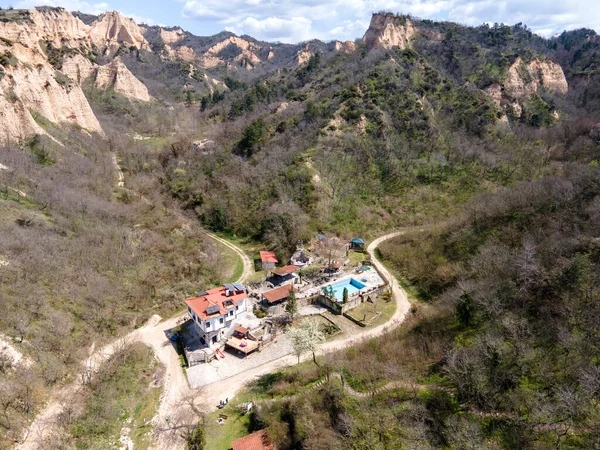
(268, 265)
(352, 302)
(216, 327)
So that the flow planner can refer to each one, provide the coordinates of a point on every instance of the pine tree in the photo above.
(291, 306)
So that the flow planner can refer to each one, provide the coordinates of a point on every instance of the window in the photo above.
(237, 307)
(221, 320)
(207, 324)
(231, 312)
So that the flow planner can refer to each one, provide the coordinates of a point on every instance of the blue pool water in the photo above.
(338, 288)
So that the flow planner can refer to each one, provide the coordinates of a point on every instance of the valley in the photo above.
(146, 172)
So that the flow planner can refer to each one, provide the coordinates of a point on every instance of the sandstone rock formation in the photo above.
(387, 31)
(344, 47)
(51, 24)
(114, 28)
(117, 75)
(238, 42)
(208, 61)
(32, 87)
(247, 57)
(525, 79)
(186, 53)
(78, 68)
(171, 36)
(303, 55)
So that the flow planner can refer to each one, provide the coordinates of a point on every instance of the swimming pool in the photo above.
(338, 288)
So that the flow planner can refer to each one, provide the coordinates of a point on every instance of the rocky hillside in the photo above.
(60, 56)
(49, 57)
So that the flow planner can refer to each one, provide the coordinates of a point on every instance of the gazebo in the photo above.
(357, 244)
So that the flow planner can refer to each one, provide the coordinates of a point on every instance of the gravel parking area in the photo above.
(204, 374)
(310, 310)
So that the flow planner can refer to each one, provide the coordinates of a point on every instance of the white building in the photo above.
(215, 310)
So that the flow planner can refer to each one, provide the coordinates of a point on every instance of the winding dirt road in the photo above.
(175, 412)
(178, 401)
(211, 394)
(248, 266)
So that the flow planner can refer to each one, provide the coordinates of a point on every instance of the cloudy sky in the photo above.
(289, 21)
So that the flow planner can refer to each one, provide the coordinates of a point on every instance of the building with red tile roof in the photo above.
(285, 270)
(268, 259)
(277, 295)
(214, 311)
(259, 440)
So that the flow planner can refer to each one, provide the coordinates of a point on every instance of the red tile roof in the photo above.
(268, 257)
(259, 440)
(285, 270)
(277, 294)
(240, 329)
(214, 297)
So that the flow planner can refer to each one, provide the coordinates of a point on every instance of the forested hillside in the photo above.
(477, 138)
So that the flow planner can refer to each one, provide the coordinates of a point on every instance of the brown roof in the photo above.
(259, 440)
(244, 345)
(240, 329)
(285, 270)
(277, 294)
(268, 257)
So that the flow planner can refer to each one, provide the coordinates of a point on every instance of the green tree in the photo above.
(189, 97)
(345, 296)
(204, 103)
(196, 439)
(464, 309)
(253, 136)
(291, 306)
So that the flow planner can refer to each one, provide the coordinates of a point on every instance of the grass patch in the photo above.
(373, 313)
(355, 258)
(233, 266)
(120, 395)
(412, 292)
(220, 437)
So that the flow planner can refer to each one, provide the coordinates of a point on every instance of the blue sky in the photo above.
(295, 21)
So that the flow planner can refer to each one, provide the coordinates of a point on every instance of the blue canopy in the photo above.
(358, 241)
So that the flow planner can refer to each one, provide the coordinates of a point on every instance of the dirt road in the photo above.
(212, 394)
(41, 427)
(248, 266)
(174, 413)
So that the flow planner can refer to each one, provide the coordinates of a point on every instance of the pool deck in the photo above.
(370, 279)
(351, 284)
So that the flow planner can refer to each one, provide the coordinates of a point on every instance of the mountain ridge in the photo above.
(103, 38)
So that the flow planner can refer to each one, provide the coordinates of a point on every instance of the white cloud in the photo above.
(348, 19)
(295, 20)
(349, 29)
(69, 5)
(275, 28)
